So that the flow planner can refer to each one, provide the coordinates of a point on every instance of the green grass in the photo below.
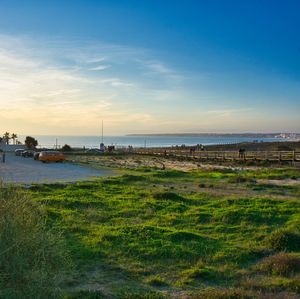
(157, 233)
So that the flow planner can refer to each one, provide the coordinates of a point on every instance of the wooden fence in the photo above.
(289, 156)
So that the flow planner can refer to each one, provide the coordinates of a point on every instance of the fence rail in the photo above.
(224, 155)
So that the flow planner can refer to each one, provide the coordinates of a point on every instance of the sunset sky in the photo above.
(149, 66)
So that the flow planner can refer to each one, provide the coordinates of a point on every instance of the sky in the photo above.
(149, 66)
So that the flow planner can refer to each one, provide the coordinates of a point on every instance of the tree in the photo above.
(6, 137)
(14, 137)
(30, 142)
(66, 148)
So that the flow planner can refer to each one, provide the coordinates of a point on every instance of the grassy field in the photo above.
(202, 233)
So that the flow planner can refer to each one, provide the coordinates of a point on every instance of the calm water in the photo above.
(140, 141)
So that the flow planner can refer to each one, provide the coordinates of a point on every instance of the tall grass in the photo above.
(31, 255)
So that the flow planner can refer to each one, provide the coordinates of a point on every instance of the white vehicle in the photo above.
(19, 151)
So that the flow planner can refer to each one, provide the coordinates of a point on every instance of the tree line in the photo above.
(30, 142)
(7, 137)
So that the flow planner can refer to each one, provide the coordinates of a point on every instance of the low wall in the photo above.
(11, 147)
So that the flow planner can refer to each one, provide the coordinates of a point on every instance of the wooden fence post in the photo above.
(279, 157)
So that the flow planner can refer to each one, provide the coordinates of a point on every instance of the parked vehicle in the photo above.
(27, 154)
(19, 151)
(36, 155)
(51, 156)
(2, 155)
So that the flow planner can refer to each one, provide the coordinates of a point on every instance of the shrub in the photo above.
(86, 295)
(184, 236)
(202, 272)
(66, 148)
(31, 256)
(283, 240)
(167, 196)
(284, 147)
(171, 174)
(281, 264)
(140, 294)
(156, 281)
(225, 294)
(272, 287)
(133, 178)
(240, 179)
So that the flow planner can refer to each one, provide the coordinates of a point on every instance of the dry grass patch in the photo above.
(282, 263)
(32, 255)
(230, 293)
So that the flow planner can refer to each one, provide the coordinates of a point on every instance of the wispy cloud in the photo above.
(115, 82)
(227, 112)
(160, 69)
(99, 68)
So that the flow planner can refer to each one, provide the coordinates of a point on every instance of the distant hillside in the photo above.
(256, 146)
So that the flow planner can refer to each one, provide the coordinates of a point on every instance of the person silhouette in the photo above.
(242, 153)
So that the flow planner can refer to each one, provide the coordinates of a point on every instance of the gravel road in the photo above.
(27, 170)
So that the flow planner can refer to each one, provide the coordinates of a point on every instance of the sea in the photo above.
(141, 141)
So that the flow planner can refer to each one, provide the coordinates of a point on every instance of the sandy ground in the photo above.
(132, 162)
(27, 170)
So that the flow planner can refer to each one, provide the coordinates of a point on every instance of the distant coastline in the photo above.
(161, 140)
(249, 135)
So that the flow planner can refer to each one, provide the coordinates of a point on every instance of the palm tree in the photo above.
(6, 137)
(14, 137)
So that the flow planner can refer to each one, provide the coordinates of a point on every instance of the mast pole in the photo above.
(102, 132)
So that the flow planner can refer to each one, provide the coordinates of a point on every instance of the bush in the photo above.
(283, 240)
(139, 294)
(31, 256)
(225, 294)
(240, 179)
(281, 264)
(156, 281)
(66, 148)
(167, 196)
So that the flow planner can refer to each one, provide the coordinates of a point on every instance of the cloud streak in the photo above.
(99, 68)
